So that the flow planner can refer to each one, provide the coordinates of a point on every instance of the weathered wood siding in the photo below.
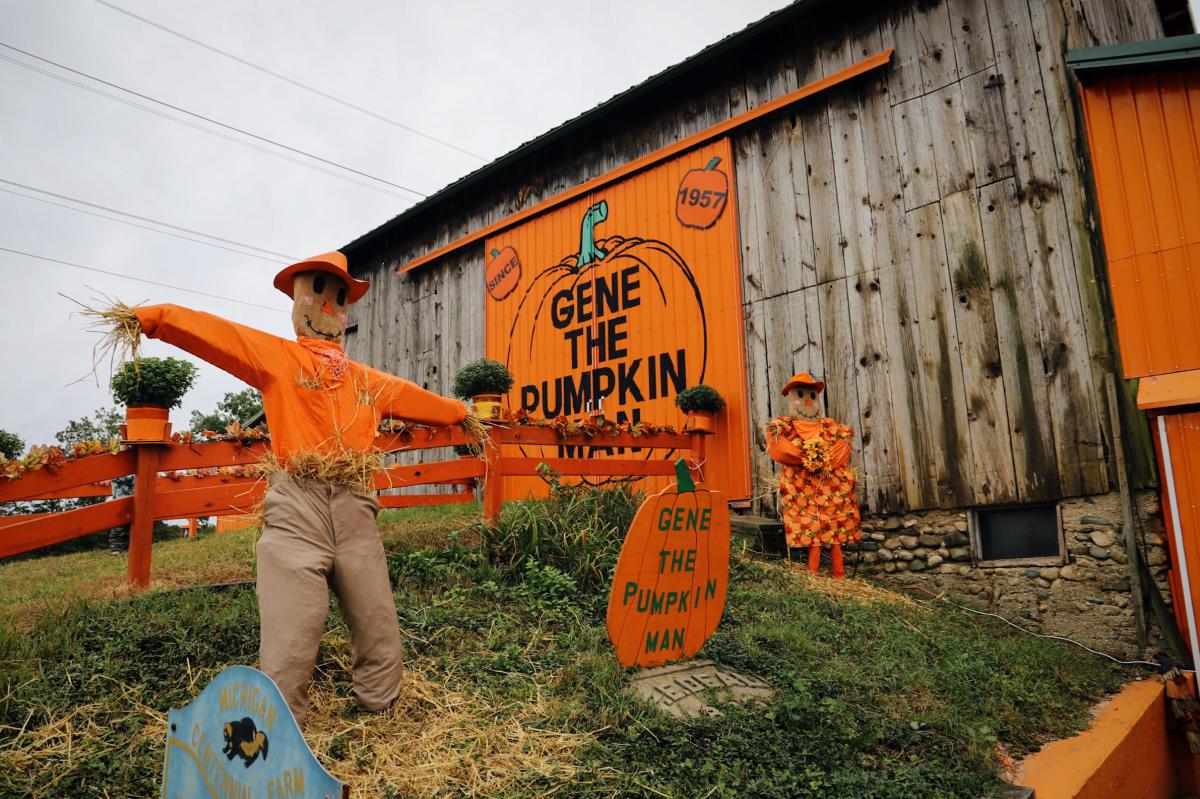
(423, 328)
(921, 238)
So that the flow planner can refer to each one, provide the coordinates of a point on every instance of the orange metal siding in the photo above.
(1179, 463)
(1144, 134)
(698, 324)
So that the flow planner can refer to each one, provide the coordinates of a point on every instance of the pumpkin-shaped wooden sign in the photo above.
(672, 576)
(700, 200)
(503, 273)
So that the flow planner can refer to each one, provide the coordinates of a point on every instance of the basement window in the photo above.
(1024, 533)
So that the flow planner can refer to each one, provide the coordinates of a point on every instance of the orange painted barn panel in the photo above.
(625, 297)
(1178, 449)
(1144, 135)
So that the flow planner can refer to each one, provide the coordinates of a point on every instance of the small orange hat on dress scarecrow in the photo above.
(798, 380)
(333, 263)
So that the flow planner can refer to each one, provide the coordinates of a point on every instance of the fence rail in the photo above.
(163, 489)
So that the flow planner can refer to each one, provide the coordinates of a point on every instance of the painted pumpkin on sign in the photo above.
(672, 576)
(586, 316)
(503, 273)
(701, 197)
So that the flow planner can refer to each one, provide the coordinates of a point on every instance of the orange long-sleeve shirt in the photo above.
(782, 450)
(314, 397)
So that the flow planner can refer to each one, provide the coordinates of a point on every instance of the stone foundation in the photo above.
(1087, 598)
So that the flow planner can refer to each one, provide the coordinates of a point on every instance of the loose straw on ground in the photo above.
(436, 740)
(862, 591)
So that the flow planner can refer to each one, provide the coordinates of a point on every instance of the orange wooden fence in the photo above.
(161, 493)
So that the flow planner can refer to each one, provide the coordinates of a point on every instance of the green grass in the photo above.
(877, 696)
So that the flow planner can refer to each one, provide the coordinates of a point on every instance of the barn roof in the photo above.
(671, 75)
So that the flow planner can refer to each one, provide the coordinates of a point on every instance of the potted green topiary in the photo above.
(699, 403)
(485, 382)
(149, 388)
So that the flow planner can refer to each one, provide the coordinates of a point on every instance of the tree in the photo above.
(239, 406)
(11, 445)
(104, 425)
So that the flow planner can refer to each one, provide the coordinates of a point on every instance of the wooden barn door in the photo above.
(624, 299)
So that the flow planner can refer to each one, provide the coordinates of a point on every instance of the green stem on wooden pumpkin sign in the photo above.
(684, 477)
(588, 251)
(711, 165)
(495, 253)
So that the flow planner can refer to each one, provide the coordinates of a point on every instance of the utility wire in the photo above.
(283, 259)
(143, 227)
(292, 81)
(141, 280)
(201, 128)
(210, 120)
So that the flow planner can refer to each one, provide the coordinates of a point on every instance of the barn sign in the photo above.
(238, 740)
(672, 576)
(618, 301)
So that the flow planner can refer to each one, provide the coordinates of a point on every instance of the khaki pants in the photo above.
(318, 536)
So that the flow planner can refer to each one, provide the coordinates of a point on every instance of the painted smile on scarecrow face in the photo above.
(319, 306)
(805, 402)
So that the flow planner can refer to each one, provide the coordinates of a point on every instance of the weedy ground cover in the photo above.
(512, 689)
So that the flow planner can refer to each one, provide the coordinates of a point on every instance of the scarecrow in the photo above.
(319, 512)
(817, 485)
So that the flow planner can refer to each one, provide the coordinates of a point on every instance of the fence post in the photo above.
(697, 446)
(141, 528)
(493, 481)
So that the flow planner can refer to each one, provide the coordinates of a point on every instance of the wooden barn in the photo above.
(898, 200)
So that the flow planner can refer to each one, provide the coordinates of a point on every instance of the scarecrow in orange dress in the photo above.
(820, 507)
(318, 533)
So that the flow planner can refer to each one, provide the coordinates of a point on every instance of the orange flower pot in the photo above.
(146, 423)
(488, 406)
(699, 421)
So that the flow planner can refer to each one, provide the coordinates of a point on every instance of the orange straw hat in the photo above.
(803, 379)
(333, 263)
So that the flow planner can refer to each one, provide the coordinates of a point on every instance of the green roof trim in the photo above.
(1172, 50)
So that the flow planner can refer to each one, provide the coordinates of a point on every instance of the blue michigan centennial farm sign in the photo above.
(238, 740)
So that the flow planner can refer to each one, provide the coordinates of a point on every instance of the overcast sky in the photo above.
(485, 76)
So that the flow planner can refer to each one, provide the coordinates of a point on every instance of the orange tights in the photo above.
(835, 557)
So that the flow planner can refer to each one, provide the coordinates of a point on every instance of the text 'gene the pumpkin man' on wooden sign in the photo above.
(672, 576)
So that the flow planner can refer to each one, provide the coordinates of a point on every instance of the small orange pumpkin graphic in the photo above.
(701, 198)
(672, 576)
(503, 273)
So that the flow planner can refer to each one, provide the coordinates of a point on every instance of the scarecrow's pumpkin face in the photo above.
(319, 305)
(805, 402)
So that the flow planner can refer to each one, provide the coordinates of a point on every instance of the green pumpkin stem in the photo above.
(713, 163)
(588, 251)
(684, 477)
(495, 252)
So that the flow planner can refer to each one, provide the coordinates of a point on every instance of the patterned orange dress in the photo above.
(817, 484)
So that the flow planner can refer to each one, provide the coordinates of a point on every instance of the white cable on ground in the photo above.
(1049, 637)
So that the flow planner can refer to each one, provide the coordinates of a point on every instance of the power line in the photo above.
(288, 258)
(201, 128)
(293, 81)
(141, 280)
(206, 119)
